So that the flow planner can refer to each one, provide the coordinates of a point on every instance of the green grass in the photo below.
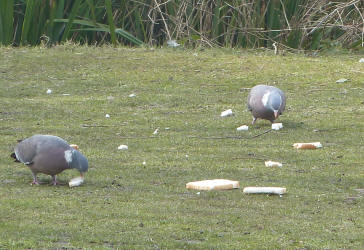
(125, 204)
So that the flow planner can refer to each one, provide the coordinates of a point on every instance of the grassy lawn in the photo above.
(127, 204)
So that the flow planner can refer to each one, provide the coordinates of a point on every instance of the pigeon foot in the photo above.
(254, 120)
(54, 181)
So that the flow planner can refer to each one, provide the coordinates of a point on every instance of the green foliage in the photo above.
(28, 22)
(294, 39)
(216, 19)
(316, 39)
(71, 18)
(6, 22)
(55, 22)
(233, 23)
(110, 21)
(54, 30)
(101, 28)
(273, 19)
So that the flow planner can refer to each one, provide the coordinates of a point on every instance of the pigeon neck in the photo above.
(265, 99)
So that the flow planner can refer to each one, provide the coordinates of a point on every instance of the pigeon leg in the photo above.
(254, 120)
(35, 181)
(54, 180)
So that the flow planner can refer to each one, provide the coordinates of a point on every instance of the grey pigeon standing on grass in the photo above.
(49, 155)
(266, 102)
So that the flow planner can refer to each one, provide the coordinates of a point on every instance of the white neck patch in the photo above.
(265, 99)
(68, 156)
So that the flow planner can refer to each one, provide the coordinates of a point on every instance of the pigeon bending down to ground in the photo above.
(50, 155)
(266, 102)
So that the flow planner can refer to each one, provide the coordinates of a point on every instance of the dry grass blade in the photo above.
(250, 24)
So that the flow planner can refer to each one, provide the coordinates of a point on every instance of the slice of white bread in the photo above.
(273, 164)
(75, 182)
(308, 145)
(75, 146)
(264, 190)
(216, 184)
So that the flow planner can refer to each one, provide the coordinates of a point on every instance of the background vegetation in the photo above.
(126, 204)
(296, 24)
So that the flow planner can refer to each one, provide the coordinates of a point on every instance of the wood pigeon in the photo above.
(49, 155)
(266, 102)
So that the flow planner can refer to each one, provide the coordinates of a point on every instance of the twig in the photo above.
(340, 6)
(138, 137)
(163, 19)
(233, 137)
(92, 125)
(341, 20)
(313, 90)
(199, 137)
(219, 137)
(245, 89)
(265, 132)
(362, 18)
(285, 16)
(275, 48)
(250, 157)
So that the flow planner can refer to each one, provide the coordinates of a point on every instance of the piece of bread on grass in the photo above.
(264, 190)
(216, 184)
(75, 182)
(308, 145)
(273, 164)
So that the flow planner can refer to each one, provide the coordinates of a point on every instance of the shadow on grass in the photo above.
(293, 124)
(286, 124)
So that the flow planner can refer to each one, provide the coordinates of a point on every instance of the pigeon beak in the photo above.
(275, 114)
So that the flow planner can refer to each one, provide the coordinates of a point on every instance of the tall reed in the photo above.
(295, 24)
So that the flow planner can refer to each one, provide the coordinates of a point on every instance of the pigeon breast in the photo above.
(263, 100)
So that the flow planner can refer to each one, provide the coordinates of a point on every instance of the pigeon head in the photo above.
(77, 161)
(273, 101)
